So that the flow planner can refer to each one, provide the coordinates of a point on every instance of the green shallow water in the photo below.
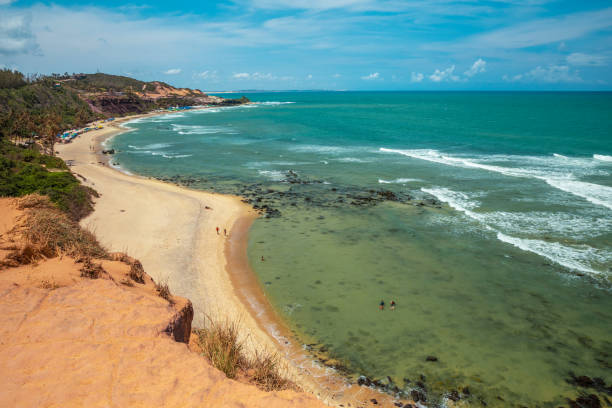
(507, 283)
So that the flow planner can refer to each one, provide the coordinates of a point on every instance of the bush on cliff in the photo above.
(25, 171)
(220, 342)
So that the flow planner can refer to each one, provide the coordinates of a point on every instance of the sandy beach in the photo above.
(172, 231)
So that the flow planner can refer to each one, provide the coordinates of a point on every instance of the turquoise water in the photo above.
(495, 239)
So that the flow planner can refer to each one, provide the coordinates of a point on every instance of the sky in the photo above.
(318, 44)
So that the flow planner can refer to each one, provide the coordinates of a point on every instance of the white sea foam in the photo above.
(397, 181)
(201, 130)
(559, 178)
(602, 157)
(153, 146)
(274, 175)
(273, 103)
(577, 258)
(595, 193)
(560, 156)
(322, 149)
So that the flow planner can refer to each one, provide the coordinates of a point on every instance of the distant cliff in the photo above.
(45, 105)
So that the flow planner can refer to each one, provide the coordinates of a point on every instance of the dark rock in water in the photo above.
(431, 358)
(373, 400)
(500, 398)
(454, 396)
(588, 382)
(406, 380)
(417, 396)
(388, 195)
(363, 380)
(466, 391)
(398, 404)
(585, 401)
(108, 151)
(423, 378)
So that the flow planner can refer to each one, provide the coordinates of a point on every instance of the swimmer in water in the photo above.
(381, 306)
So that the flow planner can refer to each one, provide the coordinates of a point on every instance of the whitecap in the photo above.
(398, 181)
(576, 257)
(153, 146)
(272, 103)
(558, 178)
(201, 130)
(273, 175)
(602, 157)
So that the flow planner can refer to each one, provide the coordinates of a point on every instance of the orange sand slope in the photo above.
(71, 341)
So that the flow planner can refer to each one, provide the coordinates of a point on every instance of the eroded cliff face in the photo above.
(71, 341)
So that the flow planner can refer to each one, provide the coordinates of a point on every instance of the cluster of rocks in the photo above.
(589, 400)
(294, 191)
(180, 180)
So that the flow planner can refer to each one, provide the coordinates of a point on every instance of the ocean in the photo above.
(486, 216)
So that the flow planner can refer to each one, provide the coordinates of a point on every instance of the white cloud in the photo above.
(16, 35)
(207, 75)
(416, 77)
(549, 74)
(173, 71)
(580, 59)
(372, 76)
(445, 75)
(260, 76)
(537, 32)
(477, 67)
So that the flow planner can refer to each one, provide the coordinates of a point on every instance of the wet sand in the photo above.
(172, 231)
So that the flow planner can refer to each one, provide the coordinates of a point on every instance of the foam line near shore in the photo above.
(171, 230)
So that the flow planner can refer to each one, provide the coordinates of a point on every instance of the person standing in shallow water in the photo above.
(393, 305)
(381, 306)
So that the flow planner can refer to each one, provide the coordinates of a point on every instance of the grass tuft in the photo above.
(91, 270)
(164, 291)
(137, 273)
(220, 342)
(49, 232)
(266, 375)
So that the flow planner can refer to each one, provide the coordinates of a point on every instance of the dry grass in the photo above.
(164, 291)
(265, 373)
(137, 273)
(51, 285)
(91, 270)
(48, 232)
(220, 342)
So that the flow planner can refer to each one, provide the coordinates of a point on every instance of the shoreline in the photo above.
(215, 273)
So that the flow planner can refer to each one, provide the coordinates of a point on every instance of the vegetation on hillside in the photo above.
(25, 171)
(34, 108)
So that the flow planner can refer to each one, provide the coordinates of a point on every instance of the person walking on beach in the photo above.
(262, 259)
(393, 305)
(381, 306)
(224, 232)
(217, 230)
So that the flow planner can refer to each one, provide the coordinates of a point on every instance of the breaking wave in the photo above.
(573, 257)
(561, 178)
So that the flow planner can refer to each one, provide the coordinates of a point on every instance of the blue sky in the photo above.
(319, 44)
